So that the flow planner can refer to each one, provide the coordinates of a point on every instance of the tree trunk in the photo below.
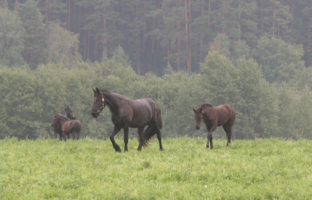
(88, 45)
(47, 8)
(274, 19)
(186, 36)
(138, 40)
(201, 36)
(223, 15)
(85, 45)
(168, 52)
(239, 22)
(31, 64)
(292, 13)
(179, 38)
(190, 38)
(153, 40)
(68, 15)
(262, 15)
(209, 9)
(96, 47)
(104, 36)
(144, 57)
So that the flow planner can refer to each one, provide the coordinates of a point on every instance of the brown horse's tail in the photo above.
(232, 114)
(148, 134)
(154, 127)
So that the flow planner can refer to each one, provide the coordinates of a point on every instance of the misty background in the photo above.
(253, 54)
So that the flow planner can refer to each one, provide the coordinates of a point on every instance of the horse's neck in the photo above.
(62, 120)
(112, 101)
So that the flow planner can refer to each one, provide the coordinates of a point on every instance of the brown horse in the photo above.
(222, 115)
(58, 128)
(127, 113)
(68, 126)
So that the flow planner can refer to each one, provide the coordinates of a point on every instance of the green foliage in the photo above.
(35, 51)
(30, 98)
(62, 46)
(11, 38)
(280, 61)
(90, 169)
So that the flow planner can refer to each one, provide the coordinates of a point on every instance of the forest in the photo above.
(154, 33)
(253, 54)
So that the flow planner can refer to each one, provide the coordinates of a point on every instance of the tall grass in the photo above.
(91, 169)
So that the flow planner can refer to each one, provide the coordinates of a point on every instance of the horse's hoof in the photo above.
(118, 150)
(161, 149)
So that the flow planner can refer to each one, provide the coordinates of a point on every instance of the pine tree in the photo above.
(35, 51)
(11, 38)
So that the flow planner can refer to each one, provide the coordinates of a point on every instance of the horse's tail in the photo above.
(155, 125)
(148, 134)
(231, 113)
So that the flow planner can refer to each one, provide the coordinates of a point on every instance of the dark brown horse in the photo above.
(129, 113)
(68, 126)
(58, 128)
(222, 115)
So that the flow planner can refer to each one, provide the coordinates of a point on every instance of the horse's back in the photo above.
(230, 116)
(71, 126)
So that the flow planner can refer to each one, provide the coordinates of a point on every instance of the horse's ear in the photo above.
(67, 107)
(94, 91)
(97, 89)
(194, 110)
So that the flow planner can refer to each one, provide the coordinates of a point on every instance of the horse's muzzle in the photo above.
(197, 127)
(94, 114)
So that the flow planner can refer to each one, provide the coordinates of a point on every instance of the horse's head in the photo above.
(55, 121)
(198, 117)
(68, 113)
(98, 103)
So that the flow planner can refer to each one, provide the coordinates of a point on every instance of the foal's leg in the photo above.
(159, 138)
(209, 137)
(78, 134)
(64, 136)
(74, 135)
(228, 131)
(115, 145)
(140, 131)
(126, 131)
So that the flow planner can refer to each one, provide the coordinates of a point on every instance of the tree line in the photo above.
(30, 98)
(155, 33)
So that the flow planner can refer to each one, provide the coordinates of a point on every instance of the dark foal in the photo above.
(222, 115)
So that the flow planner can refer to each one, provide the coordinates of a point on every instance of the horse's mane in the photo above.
(206, 105)
(64, 116)
(110, 98)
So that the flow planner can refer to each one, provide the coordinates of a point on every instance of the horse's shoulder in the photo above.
(207, 105)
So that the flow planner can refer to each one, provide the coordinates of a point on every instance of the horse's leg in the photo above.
(78, 134)
(115, 145)
(73, 135)
(159, 137)
(126, 132)
(140, 131)
(228, 132)
(61, 135)
(64, 136)
(209, 137)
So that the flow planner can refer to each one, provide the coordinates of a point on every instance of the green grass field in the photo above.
(91, 169)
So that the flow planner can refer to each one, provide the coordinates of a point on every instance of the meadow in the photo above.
(91, 169)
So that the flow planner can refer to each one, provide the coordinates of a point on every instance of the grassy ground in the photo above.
(91, 169)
